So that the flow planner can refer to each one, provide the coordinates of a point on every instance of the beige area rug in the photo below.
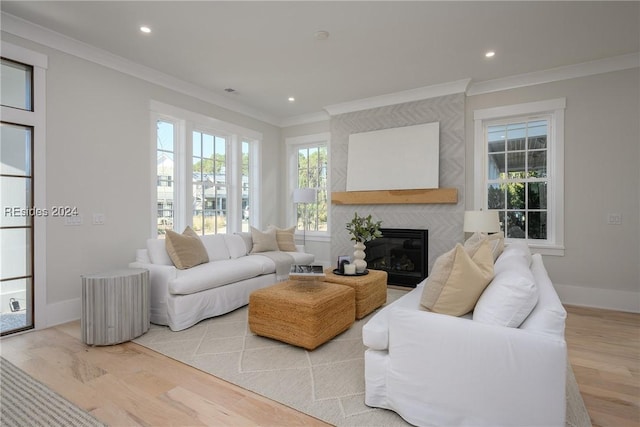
(327, 383)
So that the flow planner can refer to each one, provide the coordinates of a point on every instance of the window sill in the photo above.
(547, 249)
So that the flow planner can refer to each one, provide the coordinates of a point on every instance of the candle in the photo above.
(349, 269)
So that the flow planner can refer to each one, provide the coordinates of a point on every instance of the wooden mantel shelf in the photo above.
(389, 197)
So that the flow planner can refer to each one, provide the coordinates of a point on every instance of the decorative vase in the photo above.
(358, 257)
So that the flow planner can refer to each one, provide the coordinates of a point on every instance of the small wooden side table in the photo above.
(115, 306)
(371, 289)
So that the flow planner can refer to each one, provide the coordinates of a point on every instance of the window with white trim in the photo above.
(309, 168)
(204, 173)
(519, 153)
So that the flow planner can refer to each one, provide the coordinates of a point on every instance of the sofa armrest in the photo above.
(481, 374)
(159, 277)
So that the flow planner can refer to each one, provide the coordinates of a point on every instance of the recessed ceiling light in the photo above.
(145, 29)
(490, 54)
(291, 99)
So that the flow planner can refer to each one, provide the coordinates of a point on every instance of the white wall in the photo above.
(602, 151)
(98, 159)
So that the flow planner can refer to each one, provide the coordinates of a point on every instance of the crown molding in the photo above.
(600, 66)
(426, 92)
(304, 119)
(46, 37)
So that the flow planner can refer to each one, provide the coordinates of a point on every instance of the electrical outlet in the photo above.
(614, 219)
(98, 219)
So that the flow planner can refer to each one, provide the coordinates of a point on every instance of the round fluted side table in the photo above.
(115, 306)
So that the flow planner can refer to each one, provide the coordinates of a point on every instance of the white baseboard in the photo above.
(599, 298)
(63, 312)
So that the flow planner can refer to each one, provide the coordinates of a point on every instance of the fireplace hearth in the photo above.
(402, 253)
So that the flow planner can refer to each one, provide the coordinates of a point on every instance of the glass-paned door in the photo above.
(16, 228)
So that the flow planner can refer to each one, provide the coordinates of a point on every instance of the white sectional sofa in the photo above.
(182, 298)
(474, 370)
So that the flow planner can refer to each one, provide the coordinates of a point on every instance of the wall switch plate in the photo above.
(98, 219)
(614, 219)
(73, 220)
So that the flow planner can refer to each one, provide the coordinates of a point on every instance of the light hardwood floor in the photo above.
(130, 385)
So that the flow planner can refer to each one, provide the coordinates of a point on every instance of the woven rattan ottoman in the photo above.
(303, 313)
(371, 289)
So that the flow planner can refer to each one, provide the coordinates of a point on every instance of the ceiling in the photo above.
(267, 51)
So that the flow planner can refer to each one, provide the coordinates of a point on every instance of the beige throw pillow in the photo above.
(286, 238)
(457, 280)
(496, 242)
(263, 241)
(185, 250)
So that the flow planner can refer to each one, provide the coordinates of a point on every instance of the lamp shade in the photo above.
(481, 221)
(304, 195)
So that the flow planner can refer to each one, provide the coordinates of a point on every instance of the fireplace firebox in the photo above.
(402, 253)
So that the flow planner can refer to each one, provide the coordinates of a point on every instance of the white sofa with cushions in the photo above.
(502, 364)
(192, 285)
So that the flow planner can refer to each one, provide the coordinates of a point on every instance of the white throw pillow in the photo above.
(509, 298)
(158, 252)
(216, 246)
(236, 245)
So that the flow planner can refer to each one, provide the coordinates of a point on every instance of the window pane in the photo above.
(245, 186)
(516, 134)
(15, 201)
(165, 136)
(496, 167)
(165, 173)
(502, 221)
(537, 223)
(537, 197)
(16, 81)
(16, 294)
(15, 246)
(516, 165)
(496, 196)
(537, 164)
(515, 225)
(515, 195)
(15, 149)
(495, 137)
(537, 135)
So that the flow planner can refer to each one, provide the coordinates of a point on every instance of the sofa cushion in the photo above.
(509, 298)
(185, 250)
(157, 249)
(285, 237)
(212, 275)
(216, 246)
(457, 280)
(496, 242)
(264, 263)
(548, 316)
(236, 245)
(263, 241)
